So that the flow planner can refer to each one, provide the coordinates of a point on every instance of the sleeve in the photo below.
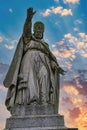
(27, 31)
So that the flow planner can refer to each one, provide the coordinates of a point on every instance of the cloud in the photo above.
(77, 85)
(56, 1)
(71, 90)
(10, 10)
(61, 42)
(1, 39)
(82, 90)
(81, 120)
(74, 113)
(64, 52)
(70, 37)
(66, 12)
(76, 29)
(3, 115)
(72, 100)
(46, 13)
(11, 46)
(79, 42)
(74, 97)
(57, 10)
(83, 36)
(71, 1)
(2, 88)
(80, 45)
(78, 21)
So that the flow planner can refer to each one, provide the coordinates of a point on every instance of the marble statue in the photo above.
(34, 71)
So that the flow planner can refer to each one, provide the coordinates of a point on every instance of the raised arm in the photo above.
(27, 30)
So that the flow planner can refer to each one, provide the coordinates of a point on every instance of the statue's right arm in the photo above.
(27, 30)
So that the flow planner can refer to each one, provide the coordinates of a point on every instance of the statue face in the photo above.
(38, 34)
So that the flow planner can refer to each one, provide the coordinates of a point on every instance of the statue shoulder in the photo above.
(46, 44)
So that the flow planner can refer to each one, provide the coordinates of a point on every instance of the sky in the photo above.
(66, 33)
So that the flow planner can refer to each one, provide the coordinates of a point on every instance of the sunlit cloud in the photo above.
(76, 101)
(65, 53)
(46, 13)
(10, 10)
(72, 100)
(76, 117)
(3, 115)
(79, 42)
(11, 46)
(71, 1)
(61, 42)
(70, 37)
(1, 39)
(84, 54)
(80, 45)
(68, 65)
(68, 53)
(83, 36)
(57, 10)
(81, 121)
(76, 112)
(71, 90)
(66, 12)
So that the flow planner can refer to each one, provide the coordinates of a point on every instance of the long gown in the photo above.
(35, 79)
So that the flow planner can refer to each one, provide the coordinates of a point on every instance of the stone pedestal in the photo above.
(36, 117)
(36, 122)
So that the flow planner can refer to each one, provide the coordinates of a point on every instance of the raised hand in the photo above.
(30, 13)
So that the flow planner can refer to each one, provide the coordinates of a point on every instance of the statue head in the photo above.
(38, 30)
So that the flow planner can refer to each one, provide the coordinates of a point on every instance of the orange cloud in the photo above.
(76, 101)
(82, 120)
(71, 90)
(3, 115)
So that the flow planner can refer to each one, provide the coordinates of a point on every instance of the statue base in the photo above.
(35, 117)
(36, 122)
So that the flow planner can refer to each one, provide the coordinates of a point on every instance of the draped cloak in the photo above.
(10, 80)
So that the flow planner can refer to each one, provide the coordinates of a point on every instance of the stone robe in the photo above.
(30, 77)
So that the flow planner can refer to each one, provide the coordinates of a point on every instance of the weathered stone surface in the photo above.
(36, 122)
(34, 109)
(44, 128)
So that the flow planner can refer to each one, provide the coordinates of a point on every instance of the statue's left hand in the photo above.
(54, 66)
(57, 68)
(61, 71)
